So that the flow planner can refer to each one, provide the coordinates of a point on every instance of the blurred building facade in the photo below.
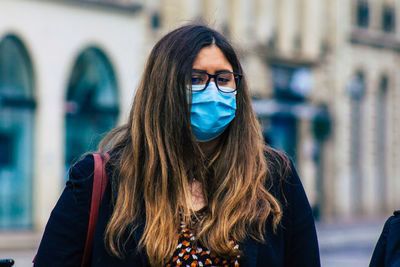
(67, 75)
(322, 75)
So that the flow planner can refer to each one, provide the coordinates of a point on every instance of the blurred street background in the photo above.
(323, 78)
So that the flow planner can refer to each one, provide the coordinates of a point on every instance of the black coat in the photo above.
(387, 249)
(294, 244)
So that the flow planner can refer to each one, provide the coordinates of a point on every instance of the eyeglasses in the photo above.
(225, 81)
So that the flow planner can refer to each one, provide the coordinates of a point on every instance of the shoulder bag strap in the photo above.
(99, 185)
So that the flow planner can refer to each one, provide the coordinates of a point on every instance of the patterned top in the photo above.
(188, 253)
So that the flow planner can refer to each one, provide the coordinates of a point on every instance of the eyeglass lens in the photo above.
(224, 79)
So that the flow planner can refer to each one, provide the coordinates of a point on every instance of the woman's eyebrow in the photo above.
(198, 70)
(218, 71)
(224, 70)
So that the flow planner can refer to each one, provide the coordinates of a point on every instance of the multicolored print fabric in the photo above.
(189, 255)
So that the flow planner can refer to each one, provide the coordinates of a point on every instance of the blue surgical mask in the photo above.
(211, 112)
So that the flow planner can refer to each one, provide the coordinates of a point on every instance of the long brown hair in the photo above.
(157, 157)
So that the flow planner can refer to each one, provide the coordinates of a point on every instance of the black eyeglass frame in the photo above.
(236, 76)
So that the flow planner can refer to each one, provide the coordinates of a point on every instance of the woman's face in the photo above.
(212, 60)
(206, 120)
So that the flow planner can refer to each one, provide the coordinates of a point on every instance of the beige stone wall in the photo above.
(350, 58)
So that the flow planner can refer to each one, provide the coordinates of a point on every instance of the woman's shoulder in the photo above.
(287, 187)
(80, 179)
(279, 165)
(278, 162)
(81, 174)
(283, 179)
(82, 171)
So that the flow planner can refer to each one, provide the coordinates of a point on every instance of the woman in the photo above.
(191, 181)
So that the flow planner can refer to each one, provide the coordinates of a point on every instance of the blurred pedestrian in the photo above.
(387, 249)
(191, 182)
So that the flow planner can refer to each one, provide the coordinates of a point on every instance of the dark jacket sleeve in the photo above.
(378, 256)
(64, 237)
(387, 249)
(301, 244)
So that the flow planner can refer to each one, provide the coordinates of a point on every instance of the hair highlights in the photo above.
(156, 158)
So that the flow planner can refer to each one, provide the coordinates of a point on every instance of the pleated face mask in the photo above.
(211, 111)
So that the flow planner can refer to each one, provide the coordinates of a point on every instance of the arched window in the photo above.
(362, 13)
(381, 137)
(16, 134)
(91, 105)
(356, 89)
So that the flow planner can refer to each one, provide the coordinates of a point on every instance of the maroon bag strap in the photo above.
(99, 185)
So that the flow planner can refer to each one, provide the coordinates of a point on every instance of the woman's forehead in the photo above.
(211, 59)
